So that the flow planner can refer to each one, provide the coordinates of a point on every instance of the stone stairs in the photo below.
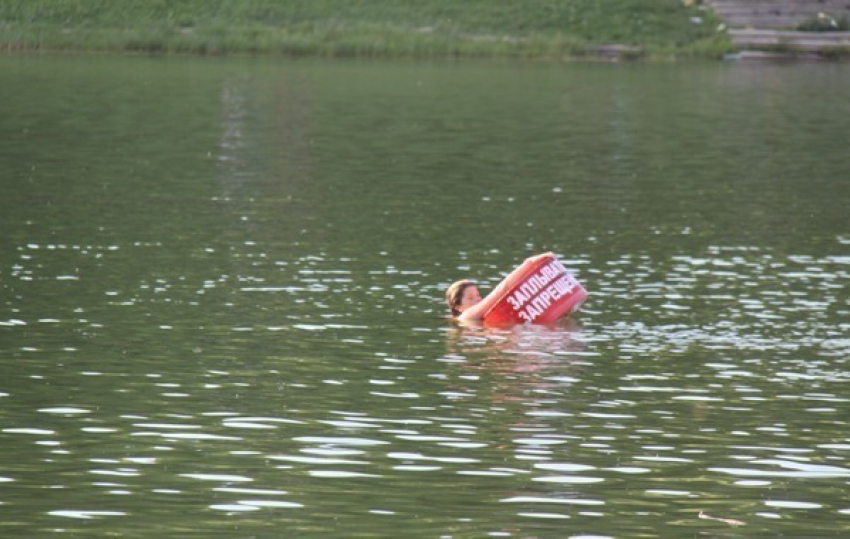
(768, 25)
(775, 14)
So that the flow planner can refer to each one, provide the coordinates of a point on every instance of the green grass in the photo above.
(411, 28)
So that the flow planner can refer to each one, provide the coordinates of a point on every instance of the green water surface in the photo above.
(221, 299)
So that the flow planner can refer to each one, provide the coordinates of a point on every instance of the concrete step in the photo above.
(797, 41)
(808, 6)
(763, 22)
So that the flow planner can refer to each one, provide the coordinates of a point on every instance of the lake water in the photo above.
(221, 306)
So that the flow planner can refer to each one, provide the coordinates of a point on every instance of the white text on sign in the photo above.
(538, 292)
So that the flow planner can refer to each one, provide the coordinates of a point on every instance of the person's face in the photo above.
(470, 297)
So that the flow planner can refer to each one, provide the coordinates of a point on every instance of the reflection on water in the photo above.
(221, 308)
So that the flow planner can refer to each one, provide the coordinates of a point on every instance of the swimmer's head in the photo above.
(461, 296)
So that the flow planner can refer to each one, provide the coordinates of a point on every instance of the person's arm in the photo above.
(476, 312)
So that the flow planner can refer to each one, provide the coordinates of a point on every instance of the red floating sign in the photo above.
(540, 291)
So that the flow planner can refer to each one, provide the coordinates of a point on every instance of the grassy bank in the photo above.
(545, 29)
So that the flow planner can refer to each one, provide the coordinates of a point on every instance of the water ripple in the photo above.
(223, 478)
(85, 515)
(545, 500)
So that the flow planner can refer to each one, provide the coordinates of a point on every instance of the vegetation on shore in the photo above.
(537, 29)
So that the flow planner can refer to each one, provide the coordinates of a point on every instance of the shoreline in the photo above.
(471, 48)
(482, 47)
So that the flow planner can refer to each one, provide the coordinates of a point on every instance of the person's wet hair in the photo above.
(454, 294)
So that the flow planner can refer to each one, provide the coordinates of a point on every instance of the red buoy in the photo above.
(539, 291)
